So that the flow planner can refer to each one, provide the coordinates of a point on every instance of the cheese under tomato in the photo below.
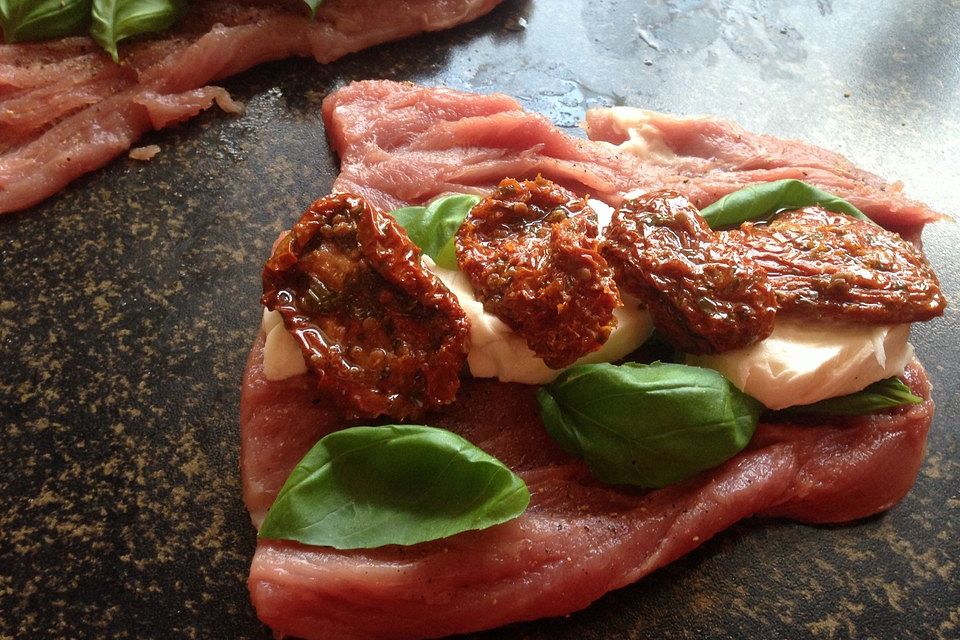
(800, 363)
(496, 351)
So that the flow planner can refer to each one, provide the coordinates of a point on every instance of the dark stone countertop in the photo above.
(128, 303)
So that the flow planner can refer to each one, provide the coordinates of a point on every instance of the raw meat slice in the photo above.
(577, 540)
(66, 108)
(401, 143)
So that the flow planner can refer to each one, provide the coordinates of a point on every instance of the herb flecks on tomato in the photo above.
(533, 257)
(381, 334)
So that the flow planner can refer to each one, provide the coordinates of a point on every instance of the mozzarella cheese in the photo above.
(282, 357)
(803, 362)
(644, 139)
(496, 351)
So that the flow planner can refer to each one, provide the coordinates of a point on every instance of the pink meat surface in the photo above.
(578, 539)
(401, 143)
(66, 108)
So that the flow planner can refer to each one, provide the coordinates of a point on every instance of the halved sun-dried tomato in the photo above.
(532, 255)
(828, 265)
(705, 296)
(381, 334)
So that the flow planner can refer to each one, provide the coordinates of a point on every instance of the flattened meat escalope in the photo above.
(381, 334)
(67, 108)
(579, 538)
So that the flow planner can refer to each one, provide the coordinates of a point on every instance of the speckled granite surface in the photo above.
(128, 303)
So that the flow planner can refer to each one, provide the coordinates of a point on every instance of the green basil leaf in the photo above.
(647, 425)
(761, 201)
(115, 20)
(313, 5)
(433, 227)
(366, 487)
(25, 20)
(884, 394)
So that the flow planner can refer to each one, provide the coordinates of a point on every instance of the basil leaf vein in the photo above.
(647, 425)
(26, 20)
(115, 20)
(433, 227)
(367, 487)
(760, 201)
(883, 394)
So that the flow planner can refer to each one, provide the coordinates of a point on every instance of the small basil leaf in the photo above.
(647, 425)
(313, 5)
(115, 20)
(883, 394)
(761, 201)
(366, 487)
(26, 20)
(433, 227)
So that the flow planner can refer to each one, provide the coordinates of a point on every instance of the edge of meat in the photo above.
(463, 141)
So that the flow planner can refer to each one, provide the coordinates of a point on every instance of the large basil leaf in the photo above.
(761, 201)
(25, 20)
(884, 394)
(433, 227)
(115, 20)
(366, 487)
(647, 425)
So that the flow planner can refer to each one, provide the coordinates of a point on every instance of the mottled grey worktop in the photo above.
(128, 303)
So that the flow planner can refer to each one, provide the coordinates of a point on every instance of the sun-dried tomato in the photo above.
(381, 334)
(828, 265)
(531, 252)
(704, 296)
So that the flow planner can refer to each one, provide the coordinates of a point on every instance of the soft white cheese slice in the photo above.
(282, 357)
(803, 362)
(644, 139)
(270, 320)
(496, 351)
